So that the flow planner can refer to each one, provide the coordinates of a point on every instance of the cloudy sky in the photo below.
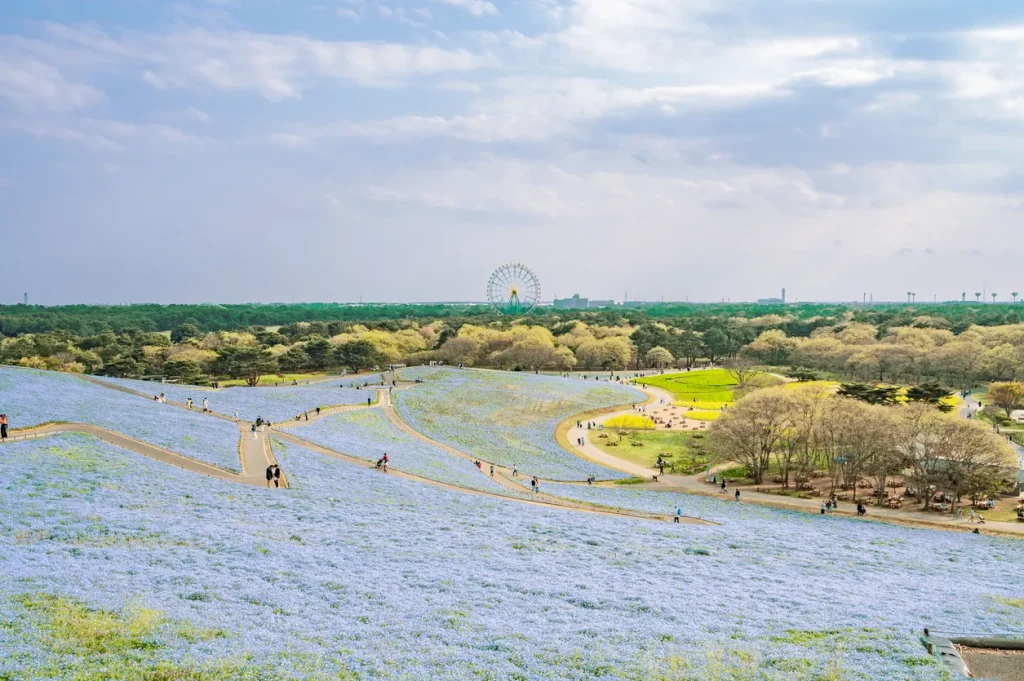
(398, 150)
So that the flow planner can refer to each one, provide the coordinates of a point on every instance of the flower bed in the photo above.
(508, 417)
(272, 403)
(351, 571)
(32, 397)
(367, 434)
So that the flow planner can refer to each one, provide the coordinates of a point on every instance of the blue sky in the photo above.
(277, 150)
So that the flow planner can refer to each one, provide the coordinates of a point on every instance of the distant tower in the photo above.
(783, 295)
(26, 298)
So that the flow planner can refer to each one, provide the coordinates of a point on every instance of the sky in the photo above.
(400, 150)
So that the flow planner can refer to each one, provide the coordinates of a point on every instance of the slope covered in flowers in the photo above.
(508, 417)
(368, 434)
(272, 403)
(31, 397)
(353, 572)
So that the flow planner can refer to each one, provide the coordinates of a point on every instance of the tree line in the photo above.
(798, 433)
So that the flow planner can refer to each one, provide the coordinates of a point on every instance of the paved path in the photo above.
(697, 485)
(255, 454)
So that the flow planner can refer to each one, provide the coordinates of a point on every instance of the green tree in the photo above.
(358, 355)
(716, 343)
(319, 351)
(185, 332)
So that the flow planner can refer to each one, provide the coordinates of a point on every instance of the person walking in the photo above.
(270, 474)
(823, 508)
(679, 514)
(236, 414)
(515, 471)
(971, 516)
(723, 485)
(3, 427)
(533, 485)
(492, 470)
(960, 514)
(737, 495)
(254, 436)
(277, 475)
(206, 405)
(318, 411)
(306, 414)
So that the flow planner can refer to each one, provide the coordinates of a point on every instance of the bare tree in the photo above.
(741, 370)
(752, 430)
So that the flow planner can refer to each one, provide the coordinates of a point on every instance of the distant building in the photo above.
(574, 303)
(601, 303)
(773, 301)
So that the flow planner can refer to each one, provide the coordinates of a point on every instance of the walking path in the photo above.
(695, 484)
(256, 454)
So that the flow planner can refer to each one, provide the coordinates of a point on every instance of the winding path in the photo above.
(255, 453)
(695, 484)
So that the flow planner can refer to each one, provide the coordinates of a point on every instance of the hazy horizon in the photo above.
(239, 150)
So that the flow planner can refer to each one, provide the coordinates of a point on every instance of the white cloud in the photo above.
(477, 8)
(33, 85)
(275, 66)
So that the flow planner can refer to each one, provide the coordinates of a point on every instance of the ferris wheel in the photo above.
(513, 289)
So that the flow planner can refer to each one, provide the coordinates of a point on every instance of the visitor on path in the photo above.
(679, 514)
(861, 511)
(661, 468)
(737, 495)
(723, 485)
(492, 470)
(960, 514)
(972, 516)
(3, 427)
(318, 411)
(367, 401)
(254, 436)
(823, 508)
(535, 484)
(306, 414)
(270, 474)
(385, 459)
(515, 471)
(277, 475)
(236, 414)
(188, 403)
(206, 405)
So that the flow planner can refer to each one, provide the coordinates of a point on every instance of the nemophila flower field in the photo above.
(31, 397)
(351, 571)
(273, 403)
(368, 434)
(508, 417)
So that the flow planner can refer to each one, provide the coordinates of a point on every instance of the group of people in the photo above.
(190, 404)
(274, 474)
(830, 505)
(257, 425)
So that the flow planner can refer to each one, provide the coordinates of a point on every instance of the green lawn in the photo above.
(686, 449)
(696, 387)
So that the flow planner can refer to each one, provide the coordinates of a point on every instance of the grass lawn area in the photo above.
(679, 447)
(284, 379)
(709, 389)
